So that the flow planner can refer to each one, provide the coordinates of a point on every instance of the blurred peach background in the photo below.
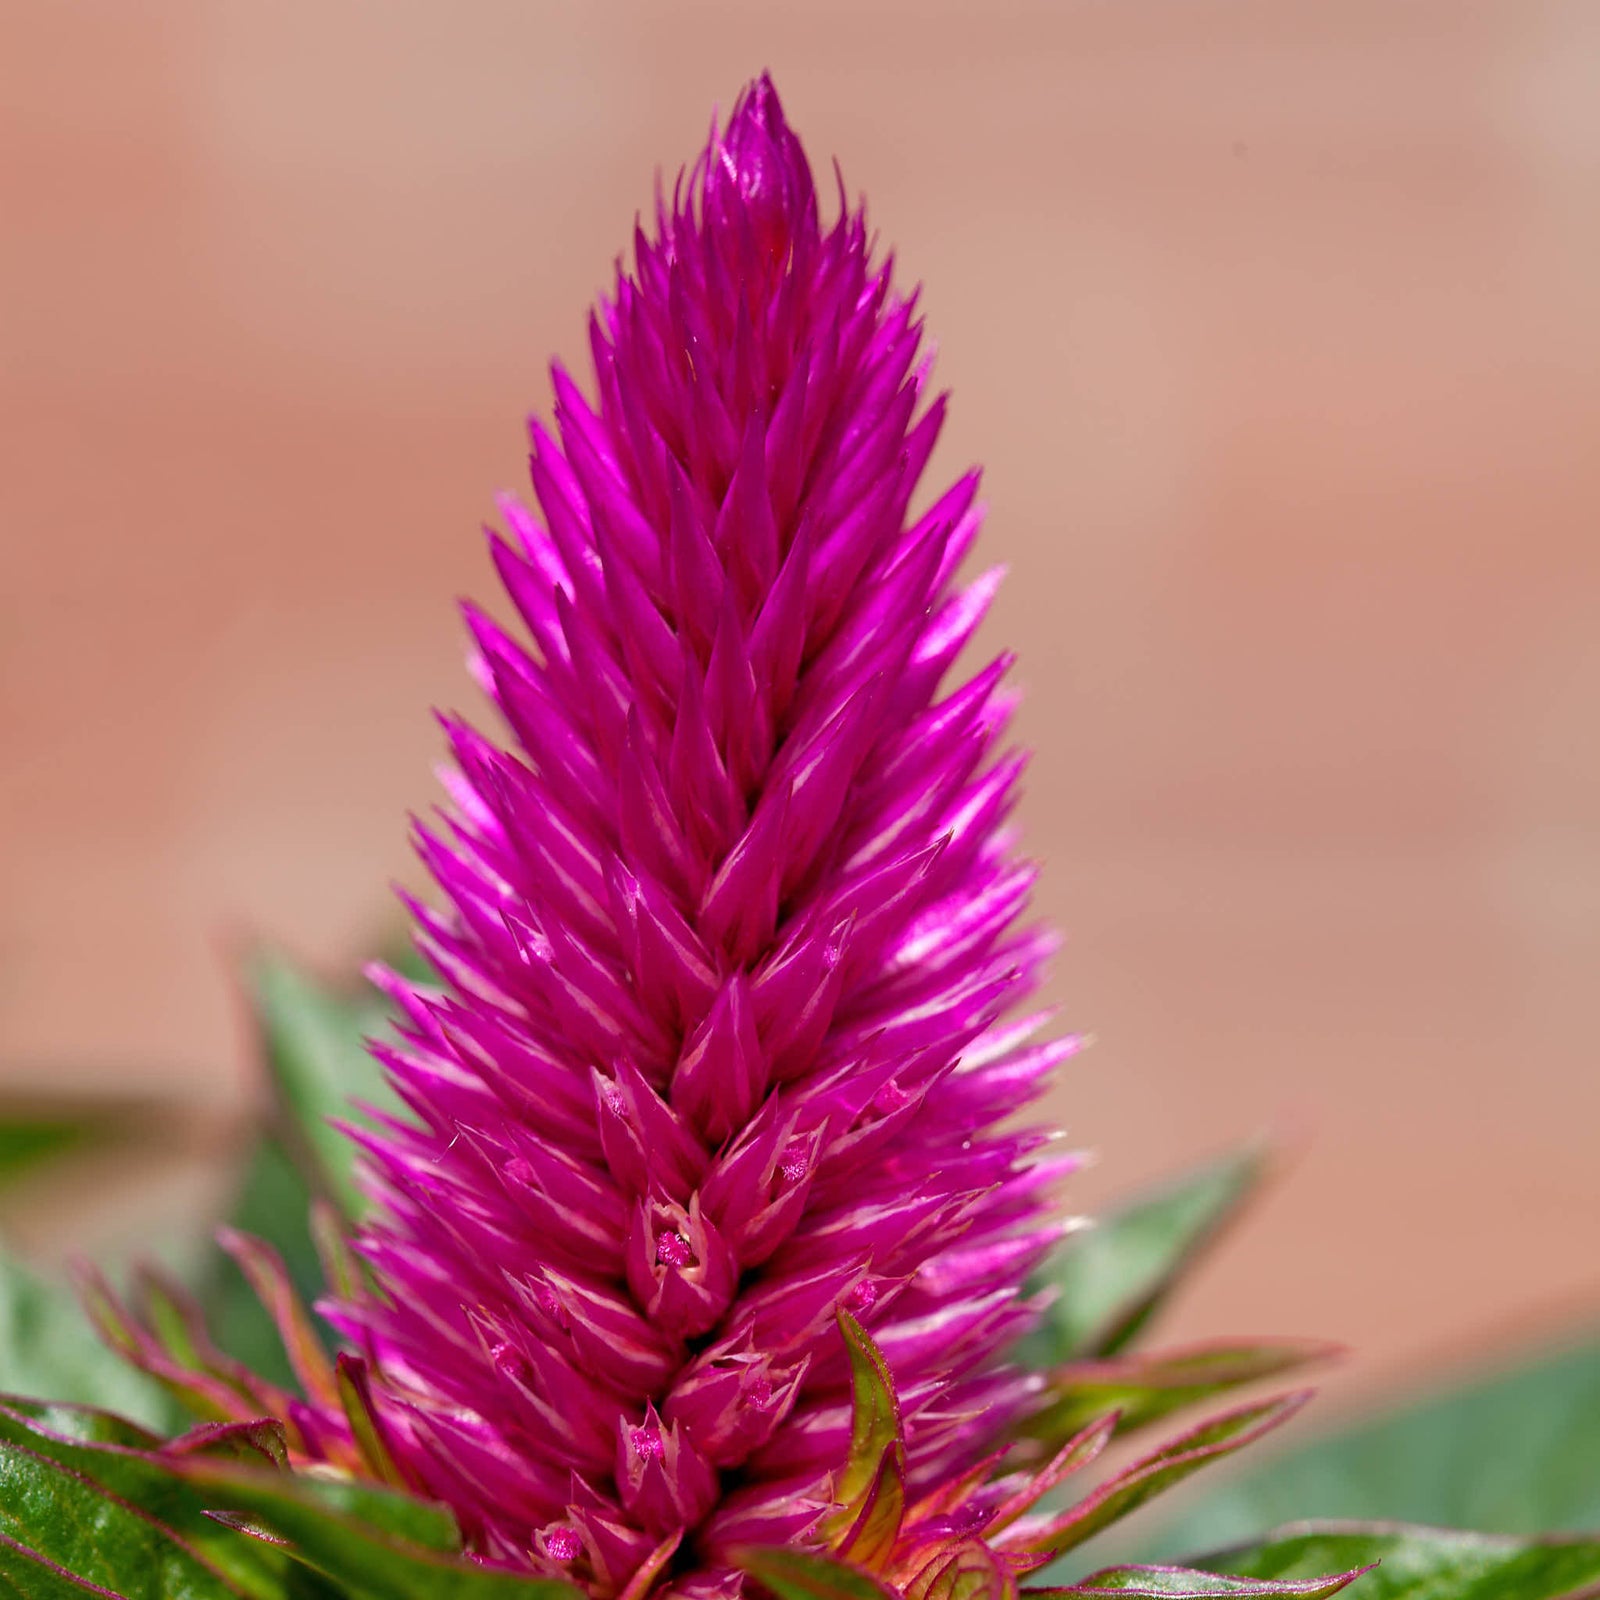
(1278, 328)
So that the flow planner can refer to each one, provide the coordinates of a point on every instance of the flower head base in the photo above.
(728, 934)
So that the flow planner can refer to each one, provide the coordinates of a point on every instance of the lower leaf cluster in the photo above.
(92, 1504)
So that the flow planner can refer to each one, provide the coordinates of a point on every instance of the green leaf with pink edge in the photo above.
(258, 1443)
(214, 1521)
(48, 1348)
(365, 1560)
(1144, 1389)
(272, 1202)
(268, 1277)
(360, 1507)
(874, 1426)
(1073, 1456)
(166, 1338)
(1423, 1563)
(57, 1520)
(72, 1477)
(973, 1573)
(366, 1423)
(26, 1575)
(79, 1424)
(1176, 1460)
(871, 1537)
(1157, 1583)
(1509, 1450)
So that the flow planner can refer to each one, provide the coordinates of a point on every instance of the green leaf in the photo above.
(273, 1205)
(71, 1501)
(794, 1574)
(874, 1426)
(974, 1571)
(269, 1279)
(67, 1498)
(312, 1041)
(1513, 1453)
(344, 1538)
(27, 1142)
(375, 1544)
(366, 1424)
(426, 1524)
(66, 1519)
(1176, 1460)
(28, 1576)
(1146, 1388)
(1157, 1583)
(871, 1537)
(48, 1348)
(1073, 1456)
(263, 1441)
(37, 1128)
(1111, 1279)
(82, 1424)
(1423, 1563)
(313, 1038)
(163, 1334)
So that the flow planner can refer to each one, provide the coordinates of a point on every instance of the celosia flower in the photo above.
(729, 931)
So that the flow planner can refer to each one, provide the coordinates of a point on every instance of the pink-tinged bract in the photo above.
(726, 937)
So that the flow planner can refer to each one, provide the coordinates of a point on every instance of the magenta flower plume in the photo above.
(718, 1061)
(729, 932)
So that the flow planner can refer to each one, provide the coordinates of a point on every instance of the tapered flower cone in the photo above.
(728, 931)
